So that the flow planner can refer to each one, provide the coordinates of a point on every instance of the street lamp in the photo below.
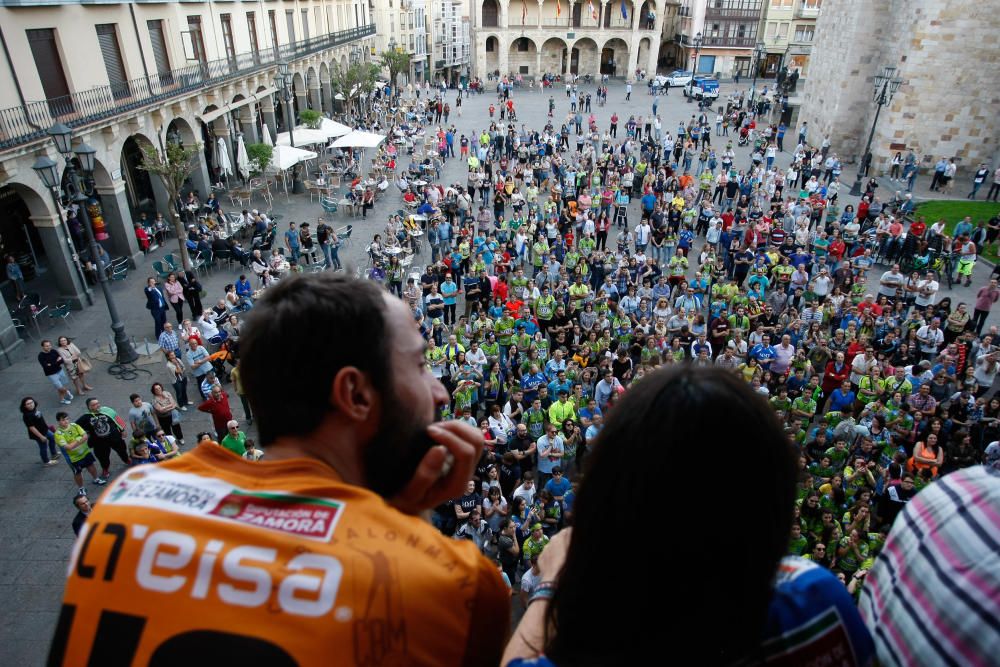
(886, 85)
(48, 172)
(283, 82)
(694, 67)
(758, 52)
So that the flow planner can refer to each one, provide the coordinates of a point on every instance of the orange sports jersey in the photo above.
(275, 563)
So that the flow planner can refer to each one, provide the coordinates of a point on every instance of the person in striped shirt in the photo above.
(933, 595)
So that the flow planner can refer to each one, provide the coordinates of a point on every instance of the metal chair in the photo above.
(329, 205)
(161, 271)
(198, 263)
(60, 312)
(224, 255)
(173, 262)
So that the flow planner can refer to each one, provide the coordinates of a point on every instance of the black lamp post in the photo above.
(758, 51)
(694, 66)
(283, 82)
(886, 85)
(46, 165)
(48, 172)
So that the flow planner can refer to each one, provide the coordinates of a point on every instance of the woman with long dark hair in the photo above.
(656, 421)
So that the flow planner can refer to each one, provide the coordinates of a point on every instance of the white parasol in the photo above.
(242, 159)
(266, 135)
(222, 154)
(359, 139)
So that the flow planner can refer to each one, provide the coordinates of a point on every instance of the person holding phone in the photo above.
(320, 544)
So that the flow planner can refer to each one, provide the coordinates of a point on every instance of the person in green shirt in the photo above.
(798, 543)
(235, 439)
(72, 439)
(535, 543)
(561, 410)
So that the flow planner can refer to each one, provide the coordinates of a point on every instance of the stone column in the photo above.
(10, 341)
(538, 63)
(60, 263)
(569, 56)
(114, 205)
(315, 98)
(326, 95)
(248, 125)
(504, 14)
(633, 57)
(540, 4)
(503, 58)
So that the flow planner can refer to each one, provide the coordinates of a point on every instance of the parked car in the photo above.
(678, 77)
(702, 87)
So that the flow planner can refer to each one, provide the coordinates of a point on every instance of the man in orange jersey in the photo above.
(313, 555)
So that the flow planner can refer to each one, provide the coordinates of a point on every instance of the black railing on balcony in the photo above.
(22, 124)
(731, 13)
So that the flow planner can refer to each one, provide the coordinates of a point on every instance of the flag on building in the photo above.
(593, 12)
(624, 11)
(558, 8)
(524, 11)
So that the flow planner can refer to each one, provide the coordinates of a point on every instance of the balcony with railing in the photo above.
(731, 13)
(804, 11)
(22, 124)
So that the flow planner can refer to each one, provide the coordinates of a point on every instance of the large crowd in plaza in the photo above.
(576, 262)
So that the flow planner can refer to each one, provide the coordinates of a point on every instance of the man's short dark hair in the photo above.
(298, 336)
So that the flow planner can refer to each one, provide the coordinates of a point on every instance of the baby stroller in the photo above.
(744, 136)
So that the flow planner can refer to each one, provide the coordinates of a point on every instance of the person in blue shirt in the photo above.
(558, 486)
(526, 324)
(449, 290)
(292, 241)
(648, 203)
(560, 384)
(764, 352)
(555, 366)
(530, 382)
(841, 397)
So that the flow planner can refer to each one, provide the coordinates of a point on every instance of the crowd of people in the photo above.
(583, 286)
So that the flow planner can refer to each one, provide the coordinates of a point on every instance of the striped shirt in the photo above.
(933, 596)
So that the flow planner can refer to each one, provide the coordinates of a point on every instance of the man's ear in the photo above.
(352, 394)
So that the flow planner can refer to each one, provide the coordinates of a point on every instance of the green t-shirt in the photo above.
(235, 443)
(70, 434)
(504, 329)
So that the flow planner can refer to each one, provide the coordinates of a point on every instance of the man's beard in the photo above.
(395, 452)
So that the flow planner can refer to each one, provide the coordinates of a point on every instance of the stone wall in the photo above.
(948, 54)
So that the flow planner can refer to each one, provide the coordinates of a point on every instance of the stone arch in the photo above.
(554, 56)
(614, 57)
(492, 53)
(490, 14)
(642, 19)
(24, 208)
(585, 57)
(642, 55)
(669, 56)
(613, 14)
(522, 56)
(326, 94)
(313, 99)
(179, 131)
(141, 189)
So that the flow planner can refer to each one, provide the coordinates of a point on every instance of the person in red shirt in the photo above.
(837, 247)
(217, 405)
(918, 227)
(727, 220)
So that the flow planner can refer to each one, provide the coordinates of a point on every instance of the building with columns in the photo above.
(536, 37)
(125, 76)
(729, 30)
(945, 52)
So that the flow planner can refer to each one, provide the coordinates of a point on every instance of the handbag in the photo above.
(84, 366)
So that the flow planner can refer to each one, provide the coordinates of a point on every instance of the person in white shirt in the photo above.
(927, 290)
(526, 490)
(931, 338)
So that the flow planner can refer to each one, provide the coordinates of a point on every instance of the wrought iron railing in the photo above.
(21, 124)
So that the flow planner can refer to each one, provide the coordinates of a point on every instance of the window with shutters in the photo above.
(160, 54)
(50, 70)
(197, 41)
(290, 25)
(227, 36)
(273, 20)
(254, 45)
(107, 37)
(305, 24)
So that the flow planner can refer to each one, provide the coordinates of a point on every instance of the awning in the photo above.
(209, 116)
(265, 93)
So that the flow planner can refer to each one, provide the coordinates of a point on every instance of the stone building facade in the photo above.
(947, 53)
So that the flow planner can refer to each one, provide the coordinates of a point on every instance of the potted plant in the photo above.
(310, 118)
(260, 157)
